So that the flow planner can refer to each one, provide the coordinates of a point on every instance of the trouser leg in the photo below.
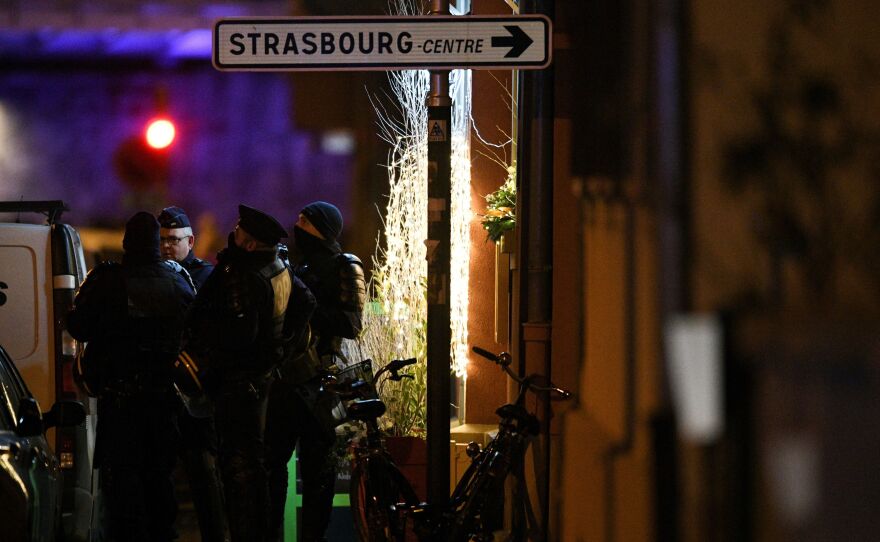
(207, 494)
(124, 507)
(282, 431)
(161, 506)
(199, 456)
(246, 497)
(318, 465)
(137, 444)
(240, 419)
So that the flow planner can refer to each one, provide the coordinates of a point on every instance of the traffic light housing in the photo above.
(142, 161)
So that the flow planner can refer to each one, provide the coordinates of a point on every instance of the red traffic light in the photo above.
(139, 165)
(160, 133)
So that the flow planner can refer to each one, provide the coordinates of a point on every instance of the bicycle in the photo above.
(382, 499)
(375, 479)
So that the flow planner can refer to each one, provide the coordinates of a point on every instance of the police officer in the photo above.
(198, 439)
(132, 316)
(243, 320)
(298, 413)
(177, 241)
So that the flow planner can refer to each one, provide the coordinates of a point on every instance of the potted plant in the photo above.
(392, 331)
(500, 216)
(404, 400)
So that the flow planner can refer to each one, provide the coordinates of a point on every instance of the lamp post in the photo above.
(438, 254)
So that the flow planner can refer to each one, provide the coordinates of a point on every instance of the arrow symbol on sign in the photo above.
(518, 41)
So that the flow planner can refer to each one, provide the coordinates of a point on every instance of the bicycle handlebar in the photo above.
(360, 388)
(504, 359)
(393, 367)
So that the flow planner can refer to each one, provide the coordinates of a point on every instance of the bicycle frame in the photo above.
(383, 500)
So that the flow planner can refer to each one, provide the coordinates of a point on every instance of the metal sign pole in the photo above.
(438, 254)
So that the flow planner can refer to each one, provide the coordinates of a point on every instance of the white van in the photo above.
(41, 267)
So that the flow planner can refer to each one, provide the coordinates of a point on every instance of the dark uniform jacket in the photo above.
(249, 312)
(132, 317)
(198, 269)
(337, 280)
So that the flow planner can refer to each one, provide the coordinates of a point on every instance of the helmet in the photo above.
(185, 372)
(187, 382)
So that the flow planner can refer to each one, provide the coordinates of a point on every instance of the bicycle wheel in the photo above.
(376, 487)
(476, 497)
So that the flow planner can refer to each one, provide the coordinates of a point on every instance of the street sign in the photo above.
(383, 43)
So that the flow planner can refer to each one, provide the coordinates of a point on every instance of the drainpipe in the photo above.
(535, 209)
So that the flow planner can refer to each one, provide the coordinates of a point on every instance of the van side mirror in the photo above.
(64, 414)
(30, 421)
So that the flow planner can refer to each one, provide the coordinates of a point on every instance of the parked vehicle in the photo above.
(30, 476)
(41, 266)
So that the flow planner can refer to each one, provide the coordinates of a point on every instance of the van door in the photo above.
(26, 309)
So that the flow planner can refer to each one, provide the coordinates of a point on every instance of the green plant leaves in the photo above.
(500, 214)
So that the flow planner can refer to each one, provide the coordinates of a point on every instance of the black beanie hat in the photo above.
(325, 217)
(141, 239)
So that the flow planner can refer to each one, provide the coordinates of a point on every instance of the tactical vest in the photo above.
(269, 345)
(141, 331)
(278, 278)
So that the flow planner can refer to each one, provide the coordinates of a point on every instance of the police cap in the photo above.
(259, 225)
(173, 218)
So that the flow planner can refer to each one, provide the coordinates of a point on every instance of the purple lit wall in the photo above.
(235, 143)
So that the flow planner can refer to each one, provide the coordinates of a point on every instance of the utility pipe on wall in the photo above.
(535, 209)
